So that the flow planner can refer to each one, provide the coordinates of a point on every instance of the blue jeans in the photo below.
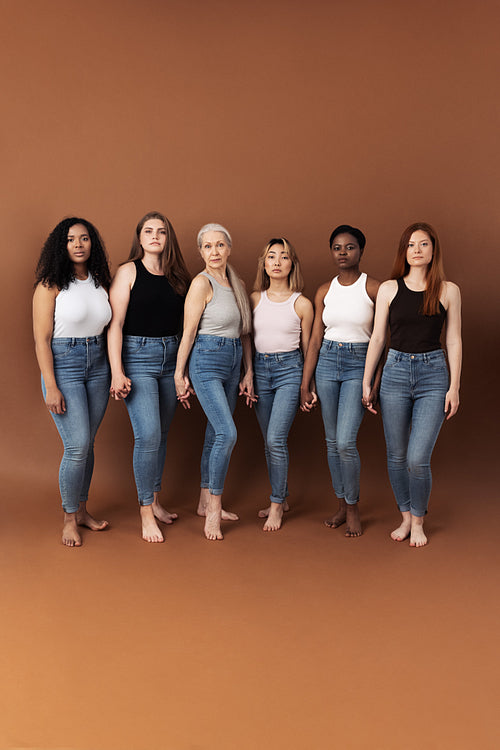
(214, 369)
(277, 379)
(412, 396)
(150, 364)
(82, 375)
(339, 384)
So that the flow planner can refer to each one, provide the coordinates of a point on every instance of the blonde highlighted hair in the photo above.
(237, 285)
(295, 278)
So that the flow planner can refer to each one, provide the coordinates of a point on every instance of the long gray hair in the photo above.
(237, 285)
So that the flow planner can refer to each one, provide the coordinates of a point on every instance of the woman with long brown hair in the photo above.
(417, 391)
(147, 299)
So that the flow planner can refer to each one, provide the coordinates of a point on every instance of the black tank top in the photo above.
(411, 331)
(155, 309)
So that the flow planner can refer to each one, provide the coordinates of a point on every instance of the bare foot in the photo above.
(160, 513)
(83, 518)
(226, 515)
(70, 535)
(403, 531)
(417, 536)
(340, 516)
(213, 514)
(274, 519)
(264, 513)
(150, 529)
(353, 528)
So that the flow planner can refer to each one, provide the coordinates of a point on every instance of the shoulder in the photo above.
(303, 306)
(255, 299)
(372, 287)
(387, 291)
(45, 293)
(126, 272)
(450, 294)
(322, 292)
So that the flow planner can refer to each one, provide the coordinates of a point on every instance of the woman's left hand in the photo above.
(184, 390)
(451, 403)
(246, 390)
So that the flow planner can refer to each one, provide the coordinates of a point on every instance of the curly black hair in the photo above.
(55, 268)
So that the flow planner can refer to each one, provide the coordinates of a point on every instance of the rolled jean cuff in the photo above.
(148, 501)
(279, 500)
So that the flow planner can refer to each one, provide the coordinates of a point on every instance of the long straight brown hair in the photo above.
(173, 265)
(435, 271)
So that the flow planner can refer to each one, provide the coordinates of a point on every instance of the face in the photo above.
(277, 263)
(420, 250)
(214, 249)
(153, 236)
(78, 243)
(346, 251)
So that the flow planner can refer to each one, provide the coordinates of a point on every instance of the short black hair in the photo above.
(347, 229)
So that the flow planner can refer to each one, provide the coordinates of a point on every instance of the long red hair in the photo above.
(435, 270)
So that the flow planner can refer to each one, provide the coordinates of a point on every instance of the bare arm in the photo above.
(199, 294)
(119, 298)
(246, 383)
(305, 311)
(385, 295)
(44, 302)
(308, 397)
(453, 347)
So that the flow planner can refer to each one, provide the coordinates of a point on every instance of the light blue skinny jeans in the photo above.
(277, 378)
(412, 396)
(149, 362)
(82, 375)
(339, 384)
(214, 370)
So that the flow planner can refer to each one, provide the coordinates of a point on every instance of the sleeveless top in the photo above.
(348, 313)
(221, 316)
(155, 309)
(411, 331)
(276, 325)
(81, 310)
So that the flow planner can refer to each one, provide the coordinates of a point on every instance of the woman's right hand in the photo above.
(55, 401)
(120, 386)
(308, 399)
(368, 399)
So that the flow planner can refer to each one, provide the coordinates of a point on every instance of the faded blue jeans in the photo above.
(277, 378)
(82, 375)
(339, 384)
(214, 369)
(412, 396)
(149, 362)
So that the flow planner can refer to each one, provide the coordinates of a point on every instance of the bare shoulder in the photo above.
(255, 299)
(44, 293)
(322, 292)
(450, 294)
(387, 291)
(303, 305)
(125, 274)
(372, 287)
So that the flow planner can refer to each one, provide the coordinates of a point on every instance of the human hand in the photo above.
(55, 401)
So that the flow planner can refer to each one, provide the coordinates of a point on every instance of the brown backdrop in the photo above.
(275, 118)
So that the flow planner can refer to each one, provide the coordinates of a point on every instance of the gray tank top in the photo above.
(221, 316)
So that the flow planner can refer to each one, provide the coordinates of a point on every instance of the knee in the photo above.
(418, 466)
(347, 447)
(227, 437)
(147, 439)
(276, 443)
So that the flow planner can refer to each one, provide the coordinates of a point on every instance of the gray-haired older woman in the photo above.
(217, 322)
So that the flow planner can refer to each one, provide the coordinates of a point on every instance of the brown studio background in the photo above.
(274, 118)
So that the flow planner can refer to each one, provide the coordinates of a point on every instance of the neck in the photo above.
(152, 263)
(417, 277)
(348, 276)
(279, 286)
(81, 271)
(219, 274)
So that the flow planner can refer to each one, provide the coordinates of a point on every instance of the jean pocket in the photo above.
(61, 350)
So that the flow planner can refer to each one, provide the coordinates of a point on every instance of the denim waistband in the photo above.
(350, 346)
(73, 341)
(221, 340)
(150, 339)
(421, 357)
(277, 356)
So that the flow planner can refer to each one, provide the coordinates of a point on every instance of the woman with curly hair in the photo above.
(70, 313)
(147, 298)
(417, 392)
(217, 323)
(282, 320)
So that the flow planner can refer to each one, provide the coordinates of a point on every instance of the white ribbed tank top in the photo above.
(348, 312)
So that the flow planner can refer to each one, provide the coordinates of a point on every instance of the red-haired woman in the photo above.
(417, 391)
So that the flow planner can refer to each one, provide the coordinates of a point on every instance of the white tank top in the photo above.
(276, 325)
(81, 310)
(348, 313)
